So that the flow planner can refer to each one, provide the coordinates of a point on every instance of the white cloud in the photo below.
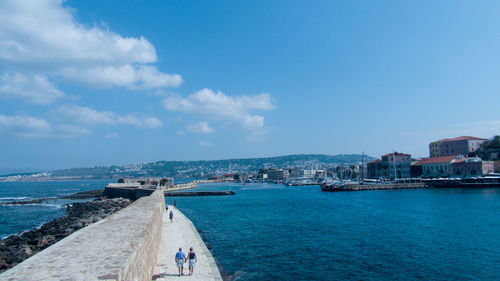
(111, 135)
(131, 77)
(25, 126)
(200, 128)
(33, 127)
(219, 106)
(45, 37)
(35, 88)
(89, 116)
(205, 143)
(69, 131)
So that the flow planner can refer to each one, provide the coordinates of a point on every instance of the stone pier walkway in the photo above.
(182, 233)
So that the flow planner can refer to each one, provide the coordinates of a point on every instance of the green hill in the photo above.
(200, 169)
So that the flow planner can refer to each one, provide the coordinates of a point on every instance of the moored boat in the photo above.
(332, 186)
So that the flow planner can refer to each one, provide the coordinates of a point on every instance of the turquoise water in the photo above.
(19, 218)
(269, 231)
(272, 232)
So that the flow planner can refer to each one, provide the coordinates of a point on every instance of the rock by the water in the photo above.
(16, 248)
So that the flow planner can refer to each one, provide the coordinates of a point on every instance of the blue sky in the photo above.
(86, 83)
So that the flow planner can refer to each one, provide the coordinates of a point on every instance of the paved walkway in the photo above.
(182, 233)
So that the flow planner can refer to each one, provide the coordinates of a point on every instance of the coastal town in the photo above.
(459, 157)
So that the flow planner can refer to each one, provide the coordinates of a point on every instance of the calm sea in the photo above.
(272, 232)
(19, 218)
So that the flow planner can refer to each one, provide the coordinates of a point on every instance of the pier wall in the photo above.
(181, 186)
(129, 193)
(120, 247)
(360, 187)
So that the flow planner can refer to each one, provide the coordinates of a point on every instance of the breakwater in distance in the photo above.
(200, 193)
(90, 194)
(412, 184)
(362, 187)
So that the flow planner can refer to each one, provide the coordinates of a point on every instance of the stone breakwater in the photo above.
(16, 248)
(122, 246)
(200, 193)
(360, 187)
(98, 193)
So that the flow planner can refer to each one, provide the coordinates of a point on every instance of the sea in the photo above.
(276, 232)
(16, 219)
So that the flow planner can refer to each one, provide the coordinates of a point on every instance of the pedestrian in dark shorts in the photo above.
(171, 215)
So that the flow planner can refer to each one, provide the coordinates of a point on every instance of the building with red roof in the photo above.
(391, 165)
(454, 166)
(455, 146)
(471, 167)
(436, 167)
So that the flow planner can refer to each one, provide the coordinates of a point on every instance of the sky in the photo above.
(86, 83)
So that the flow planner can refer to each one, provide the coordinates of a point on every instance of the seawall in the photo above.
(361, 187)
(126, 192)
(120, 247)
(200, 193)
(133, 193)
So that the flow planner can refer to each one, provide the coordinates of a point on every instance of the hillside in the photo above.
(198, 169)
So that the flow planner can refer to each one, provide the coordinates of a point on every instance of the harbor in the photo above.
(414, 232)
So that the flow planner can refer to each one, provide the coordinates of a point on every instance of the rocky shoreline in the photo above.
(16, 248)
(79, 195)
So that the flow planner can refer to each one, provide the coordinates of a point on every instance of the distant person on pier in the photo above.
(193, 259)
(180, 259)
(175, 204)
(171, 216)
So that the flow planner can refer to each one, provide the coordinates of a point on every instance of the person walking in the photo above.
(180, 259)
(171, 216)
(175, 204)
(193, 259)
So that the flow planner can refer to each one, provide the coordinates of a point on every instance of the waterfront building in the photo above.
(490, 150)
(242, 177)
(471, 167)
(228, 177)
(331, 172)
(147, 182)
(415, 170)
(296, 172)
(275, 174)
(262, 174)
(459, 145)
(373, 169)
(309, 173)
(391, 165)
(320, 174)
(436, 167)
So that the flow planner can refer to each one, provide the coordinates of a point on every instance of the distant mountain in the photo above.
(200, 169)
